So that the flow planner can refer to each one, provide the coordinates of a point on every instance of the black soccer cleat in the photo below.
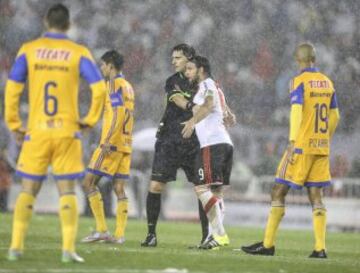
(150, 240)
(258, 249)
(318, 254)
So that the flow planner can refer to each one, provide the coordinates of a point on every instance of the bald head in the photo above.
(305, 53)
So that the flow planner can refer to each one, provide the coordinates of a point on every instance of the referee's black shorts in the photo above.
(170, 156)
(213, 165)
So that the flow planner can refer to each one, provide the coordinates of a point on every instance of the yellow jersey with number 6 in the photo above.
(316, 93)
(118, 118)
(52, 66)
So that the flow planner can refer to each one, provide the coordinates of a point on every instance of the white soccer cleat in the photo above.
(14, 255)
(71, 257)
(119, 241)
(96, 237)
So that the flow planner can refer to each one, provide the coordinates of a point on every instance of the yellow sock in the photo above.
(275, 216)
(121, 217)
(22, 215)
(97, 208)
(69, 221)
(319, 222)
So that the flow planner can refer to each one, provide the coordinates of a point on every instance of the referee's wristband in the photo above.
(190, 105)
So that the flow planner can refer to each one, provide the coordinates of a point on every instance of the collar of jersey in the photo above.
(310, 69)
(119, 76)
(54, 35)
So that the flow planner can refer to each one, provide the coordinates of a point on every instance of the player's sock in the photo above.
(319, 223)
(121, 217)
(69, 221)
(204, 222)
(97, 208)
(222, 208)
(153, 205)
(22, 215)
(276, 214)
(212, 210)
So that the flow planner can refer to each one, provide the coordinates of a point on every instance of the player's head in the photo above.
(58, 18)
(112, 63)
(305, 54)
(181, 53)
(198, 69)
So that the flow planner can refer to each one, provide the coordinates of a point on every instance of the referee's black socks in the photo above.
(153, 205)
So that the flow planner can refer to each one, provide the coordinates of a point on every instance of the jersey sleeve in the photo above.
(14, 88)
(208, 88)
(90, 72)
(333, 102)
(296, 92)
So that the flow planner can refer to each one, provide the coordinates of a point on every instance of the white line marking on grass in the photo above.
(92, 270)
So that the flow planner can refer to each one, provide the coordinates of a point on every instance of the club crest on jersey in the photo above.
(52, 54)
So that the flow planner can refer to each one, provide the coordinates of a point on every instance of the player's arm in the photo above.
(296, 115)
(177, 96)
(229, 116)
(13, 90)
(90, 72)
(334, 115)
(199, 114)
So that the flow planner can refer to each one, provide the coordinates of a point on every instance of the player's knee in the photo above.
(315, 196)
(156, 187)
(89, 183)
(119, 189)
(201, 189)
(31, 187)
(279, 192)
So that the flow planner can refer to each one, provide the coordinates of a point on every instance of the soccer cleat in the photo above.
(210, 244)
(115, 240)
(71, 257)
(223, 240)
(14, 255)
(259, 249)
(150, 240)
(96, 236)
(318, 254)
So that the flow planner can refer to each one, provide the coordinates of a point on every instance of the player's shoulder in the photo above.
(208, 84)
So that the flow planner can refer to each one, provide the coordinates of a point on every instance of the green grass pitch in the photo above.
(42, 253)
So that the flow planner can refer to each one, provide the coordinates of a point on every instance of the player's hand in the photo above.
(229, 120)
(290, 152)
(188, 129)
(106, 148)
(19, 136)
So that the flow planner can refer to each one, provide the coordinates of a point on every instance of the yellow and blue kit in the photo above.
(52, 66)
(313, 101)
(117, 129)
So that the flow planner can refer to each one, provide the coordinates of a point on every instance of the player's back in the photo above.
(315, 91)
(118, 119)
(53, 66)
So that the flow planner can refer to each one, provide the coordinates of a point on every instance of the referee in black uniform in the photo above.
(172, 151)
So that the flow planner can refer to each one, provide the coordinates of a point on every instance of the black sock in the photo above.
(204, 222)
(153, 205)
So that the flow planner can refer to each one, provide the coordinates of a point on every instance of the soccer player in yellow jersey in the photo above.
(51, 65)
(313, 120)
(113, 156)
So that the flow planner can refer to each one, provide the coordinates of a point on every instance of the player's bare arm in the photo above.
(203, 111)
(229, 117)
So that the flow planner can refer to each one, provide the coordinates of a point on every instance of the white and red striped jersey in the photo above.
(211, 130)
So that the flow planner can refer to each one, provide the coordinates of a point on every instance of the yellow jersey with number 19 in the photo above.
(316, 93)
(53, 65)
(118, 119)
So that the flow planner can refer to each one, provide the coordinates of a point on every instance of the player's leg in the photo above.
(121, 209)
(189, 154)
(163, 170)
(32, 167)
(93, 194)
(22, 215)
(69, 219)
(320, 172)
(67, 165)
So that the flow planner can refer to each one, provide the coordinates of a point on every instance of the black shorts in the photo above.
(214, 164)
(170, 156)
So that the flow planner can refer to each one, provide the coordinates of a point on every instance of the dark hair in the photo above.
(188, 51)
(58, 16)
(203, 62)
(113, 57)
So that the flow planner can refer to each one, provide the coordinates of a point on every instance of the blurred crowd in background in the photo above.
(250, 44)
